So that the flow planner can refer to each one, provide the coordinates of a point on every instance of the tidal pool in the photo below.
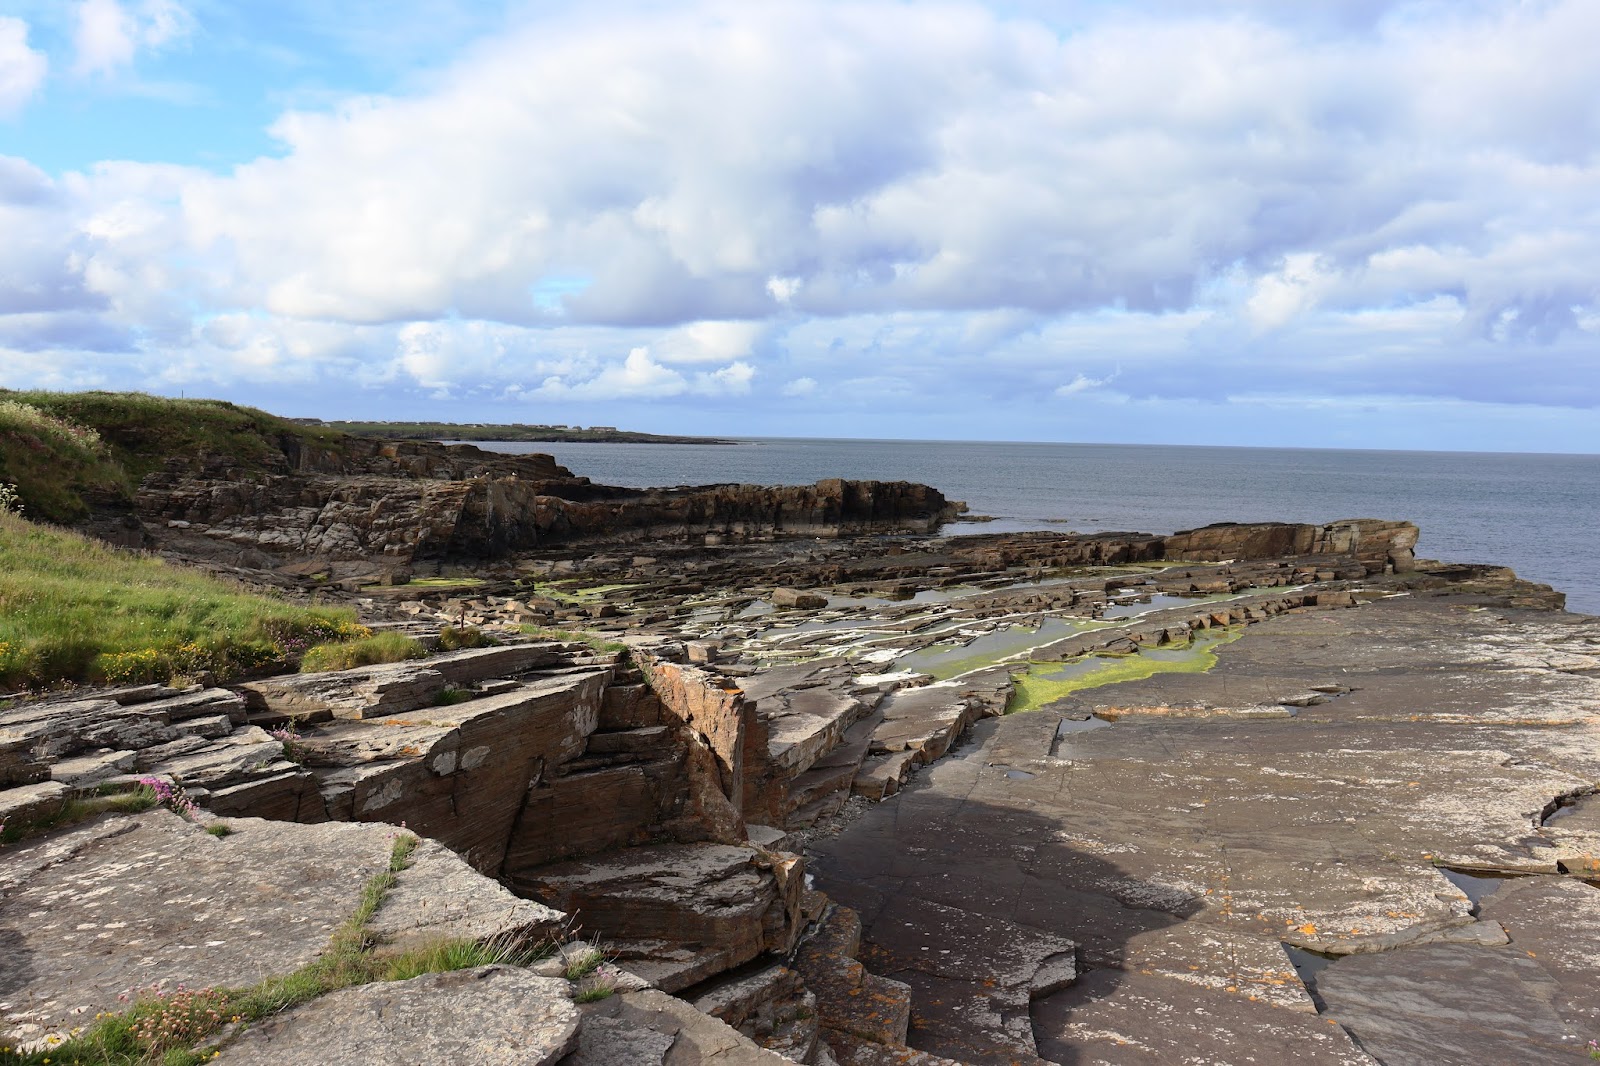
(1044, 683)
(945, 661)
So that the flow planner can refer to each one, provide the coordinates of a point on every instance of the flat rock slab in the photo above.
(733, 902)
(1449, 1003)
(439, 897)
(1113, 1018)
(126, 902)
(1180, 853)
(122, 903)
(492, 1015)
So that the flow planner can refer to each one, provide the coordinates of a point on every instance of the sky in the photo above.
(1331, 224)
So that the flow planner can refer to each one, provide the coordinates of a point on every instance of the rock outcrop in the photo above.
(397, 502)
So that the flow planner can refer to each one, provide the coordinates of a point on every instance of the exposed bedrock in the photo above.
(1182, 846)
(400, 501)
(1059, 888)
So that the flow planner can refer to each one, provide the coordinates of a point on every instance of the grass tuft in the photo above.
(380, 648)
(594, 640)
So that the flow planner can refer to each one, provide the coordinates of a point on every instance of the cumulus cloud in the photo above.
(22, 69)
(873, 200)
(107, 34)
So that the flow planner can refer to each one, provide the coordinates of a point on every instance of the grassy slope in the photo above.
(60, 448)
(72, 609)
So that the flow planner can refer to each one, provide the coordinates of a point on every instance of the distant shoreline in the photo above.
(511, 434)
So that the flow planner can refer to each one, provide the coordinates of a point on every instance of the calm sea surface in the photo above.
(1539, 514)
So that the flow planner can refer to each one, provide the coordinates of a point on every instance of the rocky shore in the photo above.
(1274, 792)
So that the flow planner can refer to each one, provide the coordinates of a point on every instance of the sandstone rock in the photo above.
(649, 1027)
(734, 902)
(441, 898)
(123, 902)
(795, 598)
(364, 692)
(490, 1015)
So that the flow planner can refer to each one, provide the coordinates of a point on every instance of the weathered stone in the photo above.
(123, 902)
(490, 1015)
(364, 692)
(736, 902)
(618, 1030)
(442, 898)
(795, 598)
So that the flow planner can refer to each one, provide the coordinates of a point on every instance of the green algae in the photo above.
(1044, 683)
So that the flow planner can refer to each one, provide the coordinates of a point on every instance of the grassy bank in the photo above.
(72, 609)
(66, 451)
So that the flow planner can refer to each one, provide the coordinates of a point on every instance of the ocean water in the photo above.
(1539, 514)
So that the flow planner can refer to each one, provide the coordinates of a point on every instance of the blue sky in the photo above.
(1343, 224)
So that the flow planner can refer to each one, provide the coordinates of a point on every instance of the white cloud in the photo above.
(860, 200)
(709, 342)
(1083, 383)
(1296, 287)
(108, 35)
(637, 376)
(22, 69)
(731, 380)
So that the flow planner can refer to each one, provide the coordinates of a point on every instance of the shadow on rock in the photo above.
(984, 908)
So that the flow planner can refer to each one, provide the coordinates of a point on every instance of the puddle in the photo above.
(1477, 884)
(1308, 965)
(945, 661)
(1019, 775)
(1077, 725)
(1160, 602)
(756, 609)
(1045, 683)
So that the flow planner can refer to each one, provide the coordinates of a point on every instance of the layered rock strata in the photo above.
(657, 799)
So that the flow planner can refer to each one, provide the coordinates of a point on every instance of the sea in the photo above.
(1538, 514)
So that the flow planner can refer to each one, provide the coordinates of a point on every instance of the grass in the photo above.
(594, 640)
(69, 451)
(379, 648)
(454, 639)
(55, 464)
(73, 811)
(74, 610)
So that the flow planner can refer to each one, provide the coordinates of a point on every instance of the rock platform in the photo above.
(791, 804)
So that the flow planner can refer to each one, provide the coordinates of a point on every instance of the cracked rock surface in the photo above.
(1180, 853)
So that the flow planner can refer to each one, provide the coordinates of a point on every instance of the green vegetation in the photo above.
(72, 609)
(510, 432)
(452, 638)
(443, 582)
(51, 465)
(1044, 683)
(380, 648)
(219, 829)
(126, 801)
(594, 640)
(66, 451)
